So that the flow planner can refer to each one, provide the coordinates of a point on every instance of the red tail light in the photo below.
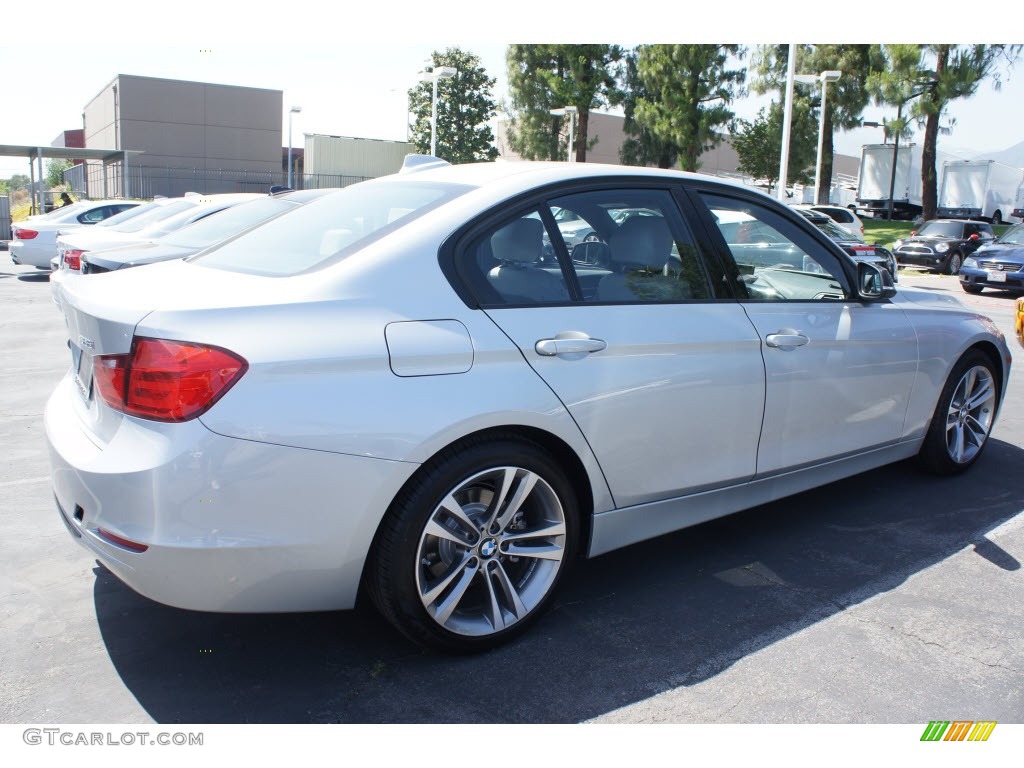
(24, 234)
(73, 258)
(121, 541)
(167, 380)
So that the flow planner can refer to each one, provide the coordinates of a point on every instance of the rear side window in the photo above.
(633, 247)
(330, 228)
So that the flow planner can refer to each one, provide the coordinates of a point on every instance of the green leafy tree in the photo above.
(641, 146)
(758, 143)
(687, 90)
(955, 72)
(464, 107)
(55, 172)
(900, 81)
(550, 76)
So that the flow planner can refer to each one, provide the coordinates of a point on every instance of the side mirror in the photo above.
(975, 236)
(913, 232)
(874, 284)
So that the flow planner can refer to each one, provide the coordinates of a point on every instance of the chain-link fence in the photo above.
(96, 181)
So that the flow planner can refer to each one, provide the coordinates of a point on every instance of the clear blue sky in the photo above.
(350, 69)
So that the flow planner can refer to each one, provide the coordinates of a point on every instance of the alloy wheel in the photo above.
(970, 414)
(491, 551)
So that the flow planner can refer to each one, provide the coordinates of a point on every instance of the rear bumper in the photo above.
(228, 525)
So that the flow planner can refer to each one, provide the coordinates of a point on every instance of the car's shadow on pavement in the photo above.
(665, 613)
(41, 277)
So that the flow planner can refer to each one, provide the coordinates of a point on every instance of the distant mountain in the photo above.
(1013, 156)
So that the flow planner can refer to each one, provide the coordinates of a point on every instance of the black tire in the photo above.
(465, 589)
(997, 218)
(592, 237)
(971, 288)
(958, 432)
(953, 263)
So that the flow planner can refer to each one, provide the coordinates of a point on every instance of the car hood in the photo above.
(1001, 251)
(925, 298)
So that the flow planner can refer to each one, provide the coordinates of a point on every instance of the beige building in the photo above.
(722, 160)
(203, 136)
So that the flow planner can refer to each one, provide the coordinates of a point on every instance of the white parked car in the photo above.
(844, 217)
(160, 218)
(34, 242)
(393, 388)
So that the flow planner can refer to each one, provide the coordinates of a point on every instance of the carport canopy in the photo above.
(35, 156)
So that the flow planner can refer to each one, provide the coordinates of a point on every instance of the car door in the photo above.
(663, 376)
(839, 371)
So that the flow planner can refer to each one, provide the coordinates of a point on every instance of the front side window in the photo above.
(775, 259)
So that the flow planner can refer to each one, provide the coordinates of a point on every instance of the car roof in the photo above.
(537, 173)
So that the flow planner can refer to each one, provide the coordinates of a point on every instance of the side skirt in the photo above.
(622, 527)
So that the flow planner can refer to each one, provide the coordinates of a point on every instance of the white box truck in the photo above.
(876, 174)
(979, 189)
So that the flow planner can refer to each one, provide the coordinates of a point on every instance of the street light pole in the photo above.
(292, 111)
(571, 112)
(787, 117)
(437, 74)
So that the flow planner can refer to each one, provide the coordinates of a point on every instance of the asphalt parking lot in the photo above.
(892, 597)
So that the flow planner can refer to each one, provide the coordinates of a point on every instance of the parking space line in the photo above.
(25, 481)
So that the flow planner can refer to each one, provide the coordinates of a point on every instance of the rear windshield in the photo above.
(228, 223)
(329, 229)
(124, 216)
(154, 215)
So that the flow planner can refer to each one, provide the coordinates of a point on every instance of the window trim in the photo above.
(845, 269)
(457, 247)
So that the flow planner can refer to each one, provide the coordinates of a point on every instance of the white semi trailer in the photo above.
(979, 189)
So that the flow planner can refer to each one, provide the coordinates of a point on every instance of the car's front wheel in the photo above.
(971, 288)
(963, 416)
(953, 263)
(473, 549)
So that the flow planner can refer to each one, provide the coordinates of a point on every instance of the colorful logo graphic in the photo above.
(959, 730)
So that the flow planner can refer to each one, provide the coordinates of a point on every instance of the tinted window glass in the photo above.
(330, 228)
(776, 260)
(632, 247)
(228, 223)
(513, 263)
(942, 229)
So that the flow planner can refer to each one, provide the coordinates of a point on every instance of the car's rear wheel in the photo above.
(953, 263)
(473, 549)
(963, 417)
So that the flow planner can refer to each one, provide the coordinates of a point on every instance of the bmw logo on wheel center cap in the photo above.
(489, 547)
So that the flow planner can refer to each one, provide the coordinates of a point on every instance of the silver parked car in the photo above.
(394, 388)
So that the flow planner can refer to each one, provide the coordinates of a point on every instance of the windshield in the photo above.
(224, 224)
(155, 214)
(1014, 235)
(833, 230)
(330, 228)
(942, 229)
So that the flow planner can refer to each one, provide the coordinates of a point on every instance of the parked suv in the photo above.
(943, 244)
